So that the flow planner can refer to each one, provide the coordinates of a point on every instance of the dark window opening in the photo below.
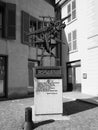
(30, 24)
(2, 13)
(0, 22)
(32, 27)
(7, 20)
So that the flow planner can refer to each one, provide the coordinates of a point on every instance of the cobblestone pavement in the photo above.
(12, 113)
(12, 117)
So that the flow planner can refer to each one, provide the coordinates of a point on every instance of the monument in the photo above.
(48, 79)
(47, 92)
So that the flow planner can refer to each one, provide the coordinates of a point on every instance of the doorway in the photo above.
(3, 76)
(74, 76)
(31, 65)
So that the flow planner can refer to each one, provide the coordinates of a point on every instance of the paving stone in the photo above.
(12, 117)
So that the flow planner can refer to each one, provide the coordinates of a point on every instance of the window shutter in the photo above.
(10, 31)
(2, 9)
(24, 27)
(69, 11)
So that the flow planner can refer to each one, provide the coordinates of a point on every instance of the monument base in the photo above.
(44, 117)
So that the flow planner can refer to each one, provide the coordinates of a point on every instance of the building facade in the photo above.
(18, 56)
(80, 52)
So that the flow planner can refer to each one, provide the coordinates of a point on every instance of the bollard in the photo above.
(29, 125)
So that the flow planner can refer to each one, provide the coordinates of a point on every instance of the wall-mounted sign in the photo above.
(84, 75)
(48, 72)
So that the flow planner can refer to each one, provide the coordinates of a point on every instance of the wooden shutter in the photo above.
(10, 21)
(24, 27)
(2, 8)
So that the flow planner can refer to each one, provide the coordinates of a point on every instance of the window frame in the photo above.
(34, 27)
(72, 41)
(71, 11)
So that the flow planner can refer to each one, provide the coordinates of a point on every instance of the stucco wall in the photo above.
(17, 69)
(18, 53)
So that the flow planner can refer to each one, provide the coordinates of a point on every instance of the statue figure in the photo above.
(47, 33)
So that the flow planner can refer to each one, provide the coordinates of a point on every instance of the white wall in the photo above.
(87, 40)
(90, 85)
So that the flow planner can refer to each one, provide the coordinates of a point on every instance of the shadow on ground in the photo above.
(32, 125)
(76, 106)
(43, 123)
(69, 108)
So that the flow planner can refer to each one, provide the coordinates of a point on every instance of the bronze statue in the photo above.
(47, 33)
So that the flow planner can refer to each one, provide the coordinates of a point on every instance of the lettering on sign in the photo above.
(48, 86)
(48, 72)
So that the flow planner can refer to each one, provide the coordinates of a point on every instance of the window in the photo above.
(69, 41)
(0, 23)
(71, 9)
(72, 41)
(24, 27)
(33, 27)
(29, 24)
(11, 21)
(7, 20)
(69, 12)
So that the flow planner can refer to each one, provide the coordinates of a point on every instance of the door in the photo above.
(31, 66)
(2, 76)
(74, 78)
(77, 79)
(70, 79)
